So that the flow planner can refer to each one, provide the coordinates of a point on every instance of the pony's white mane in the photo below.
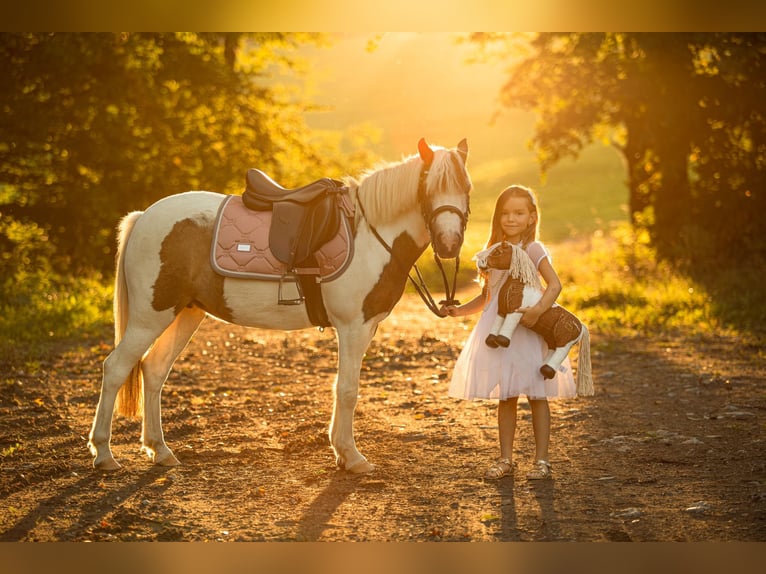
(390, 189)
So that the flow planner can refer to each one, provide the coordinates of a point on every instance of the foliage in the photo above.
(686, 110)
(617, 284)
(38, 309)
(96, 125)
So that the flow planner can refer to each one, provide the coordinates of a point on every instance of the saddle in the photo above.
(303, 219)
(301, 222)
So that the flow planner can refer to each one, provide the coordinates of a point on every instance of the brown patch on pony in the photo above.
(186, 277)
(390, 286)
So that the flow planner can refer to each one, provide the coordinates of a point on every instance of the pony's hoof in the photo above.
(108, 464)
(361, 467)
(547, 372)
(168, 460)
(503, 341)
(491, 341)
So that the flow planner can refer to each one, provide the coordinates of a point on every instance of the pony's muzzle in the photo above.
(447, 244)
(448, 225)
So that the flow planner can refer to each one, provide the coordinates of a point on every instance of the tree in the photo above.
(95, 125)
(685, 110)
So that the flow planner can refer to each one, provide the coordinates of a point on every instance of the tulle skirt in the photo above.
(482, 372)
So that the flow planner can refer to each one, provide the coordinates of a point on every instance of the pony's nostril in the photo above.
(448, 245)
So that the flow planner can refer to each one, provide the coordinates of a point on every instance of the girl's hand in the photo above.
(449, 311)
(530, 316)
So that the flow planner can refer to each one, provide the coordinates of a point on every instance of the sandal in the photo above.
(541, 471)
(498, 469)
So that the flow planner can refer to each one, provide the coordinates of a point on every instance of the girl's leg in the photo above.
(541, 426)
(506, 422)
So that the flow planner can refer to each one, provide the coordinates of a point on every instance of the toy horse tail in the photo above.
(584, 378)
(130, 395)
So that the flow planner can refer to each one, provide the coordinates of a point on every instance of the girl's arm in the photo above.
(473, 306)
(551, 293)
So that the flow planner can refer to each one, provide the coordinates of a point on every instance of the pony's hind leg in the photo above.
(156, 367)
(121, 365)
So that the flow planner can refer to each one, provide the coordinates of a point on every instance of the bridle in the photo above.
(429, 215)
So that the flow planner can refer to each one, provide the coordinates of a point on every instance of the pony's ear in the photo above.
(426, 153)
(462, 149)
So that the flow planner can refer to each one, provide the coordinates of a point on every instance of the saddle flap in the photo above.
(298, 230)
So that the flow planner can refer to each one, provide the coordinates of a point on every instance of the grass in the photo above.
(40, 309)
(614, 282)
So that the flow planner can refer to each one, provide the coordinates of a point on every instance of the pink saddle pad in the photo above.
(241, 246)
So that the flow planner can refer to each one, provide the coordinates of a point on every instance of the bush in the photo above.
(40, 308)
(618, 285)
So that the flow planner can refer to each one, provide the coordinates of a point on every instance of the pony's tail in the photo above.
(130, 396)
(584, 375)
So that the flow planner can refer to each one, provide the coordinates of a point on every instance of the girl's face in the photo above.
(515, 218)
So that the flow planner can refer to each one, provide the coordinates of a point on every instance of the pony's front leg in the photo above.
(352, 344)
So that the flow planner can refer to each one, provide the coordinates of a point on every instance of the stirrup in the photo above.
(282, 301)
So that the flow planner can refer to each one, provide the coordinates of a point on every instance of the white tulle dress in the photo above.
(483, 372)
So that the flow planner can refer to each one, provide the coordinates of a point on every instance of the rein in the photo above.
(428, 216)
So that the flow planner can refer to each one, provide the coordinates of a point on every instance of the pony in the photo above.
(560, 328)
(165, 286)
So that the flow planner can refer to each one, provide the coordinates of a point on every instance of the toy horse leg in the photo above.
(556, 357)
(512, 321)
(491, 339)
(156, 367)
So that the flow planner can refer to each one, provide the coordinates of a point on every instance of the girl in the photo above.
(506, 373)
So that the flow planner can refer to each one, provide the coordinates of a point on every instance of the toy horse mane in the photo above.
(523, 269)
(520, 267)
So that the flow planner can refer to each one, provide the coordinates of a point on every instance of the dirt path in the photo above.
(671, 448)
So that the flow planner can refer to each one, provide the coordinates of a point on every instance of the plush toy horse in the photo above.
(559, 327)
